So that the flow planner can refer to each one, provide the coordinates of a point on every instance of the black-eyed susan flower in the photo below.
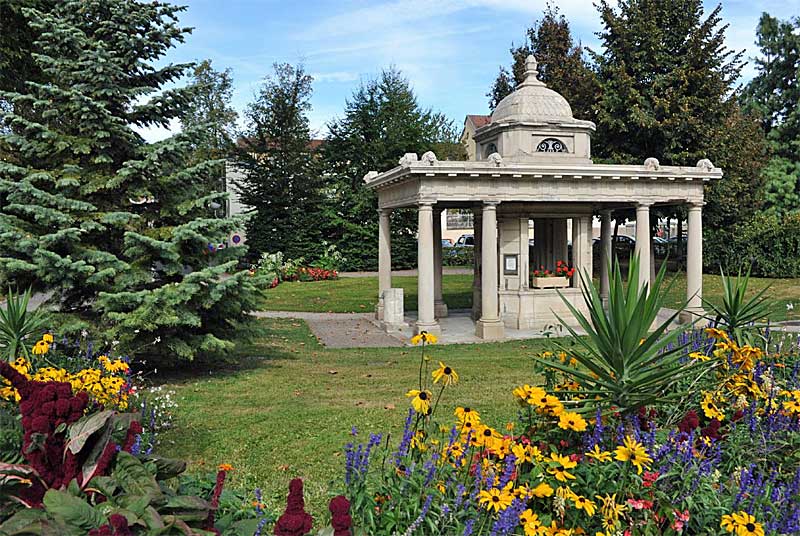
(710, 408)
(560, 466)
(48, 338)
(496, 499)
(598, 454)
(420, 400)
(569, 420)
(742, 523)
(467, 414)
(542, 490)
(445, 374)
(634, 452)
(40, 348)
(582, 503)
(423, 336)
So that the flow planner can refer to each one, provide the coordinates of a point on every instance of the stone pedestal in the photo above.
(393, 309)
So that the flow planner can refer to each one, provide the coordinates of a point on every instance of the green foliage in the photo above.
(330, 259)
(458, 256)
(382, 121)
(17, 324)
(562, 65)
(629, 360)
(209, 112)
(738, 313)
(117, 229)
(769, 244)
(282, 181)
(10, 435)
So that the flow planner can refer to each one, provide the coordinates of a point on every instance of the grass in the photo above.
(359, 294)
(288, 408)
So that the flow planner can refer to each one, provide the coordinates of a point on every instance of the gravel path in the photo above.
(341, 330)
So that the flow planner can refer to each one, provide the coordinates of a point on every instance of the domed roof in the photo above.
(533, 101)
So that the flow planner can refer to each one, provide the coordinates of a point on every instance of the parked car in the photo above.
(466, 240)
(447, 243)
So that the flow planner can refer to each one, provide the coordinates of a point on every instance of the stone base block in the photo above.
(379, 311)
(691, 315)
(490, 330)
(389, 327)
(433, 328)
(440, 310)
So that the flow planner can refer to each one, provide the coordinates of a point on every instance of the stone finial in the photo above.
(531, 68)
(429, 158)
(370, 175)
(705, 164)
(408, 158)
(651, 164)
(495, 159)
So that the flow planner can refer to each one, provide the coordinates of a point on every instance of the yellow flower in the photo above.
(569, 420)
(525, 394)
(541, 491)
(793, 404)
(425, 337)
(710, 408)
(582, 503)
(40, 348)
(420, 400)
(548, 404)
(530, 523)
(716, 333)
(566, 493)
(445, 374)
(610, 509)
(699, 356)
(634, 452)
(743, 523)
(488, 437)
(48, 338)
(497, 499)
(560, 466)
(599, 455)
(467, 414)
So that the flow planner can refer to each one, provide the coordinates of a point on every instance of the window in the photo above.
(491, 148)
(551, 145)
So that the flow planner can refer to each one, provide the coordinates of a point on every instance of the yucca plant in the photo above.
(626, 360)
(18, 323)
(737, 314)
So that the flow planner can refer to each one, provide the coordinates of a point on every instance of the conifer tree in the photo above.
(562, 65)
(382, 122)
(773, 95)
(667, 89)
(212, 116)
(281, 178)
(116, 228)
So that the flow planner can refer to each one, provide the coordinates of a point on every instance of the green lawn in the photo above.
(359, 294)
(288, 409)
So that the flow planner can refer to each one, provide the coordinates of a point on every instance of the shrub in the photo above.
(458, 256)
(768, 243)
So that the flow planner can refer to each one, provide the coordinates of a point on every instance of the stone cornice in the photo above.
(484, 170)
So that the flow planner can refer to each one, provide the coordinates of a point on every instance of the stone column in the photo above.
(426, 320)
(439, 307)
(643, 243)
(606, 253)
(581, 248)
(489, 326)
(477, 229)
(694, 263)
(384, 258)
(524, 261)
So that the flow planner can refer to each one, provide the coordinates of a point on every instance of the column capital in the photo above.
(384, 211)
(425, 205)
(695, 205)
(490, 205)
(606, 211)
(644, 204)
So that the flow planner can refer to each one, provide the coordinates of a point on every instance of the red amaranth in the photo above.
(294, 521)
(340, 516)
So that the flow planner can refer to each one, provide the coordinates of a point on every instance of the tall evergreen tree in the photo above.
(562, 65)
(281, 178)
(382, 122)
(118, 229)
(667, 90)
(211, 114)
(773, 95)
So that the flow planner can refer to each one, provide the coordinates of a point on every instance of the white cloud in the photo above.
(335, 76)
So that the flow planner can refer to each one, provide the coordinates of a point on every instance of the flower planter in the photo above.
(549, 282)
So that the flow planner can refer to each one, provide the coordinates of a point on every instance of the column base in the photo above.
(690, 315)
(429, 327)
(490, 329)
(440, 309)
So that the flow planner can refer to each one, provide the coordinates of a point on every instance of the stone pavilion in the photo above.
(532, 163)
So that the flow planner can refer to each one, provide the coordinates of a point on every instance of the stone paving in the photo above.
(342, 330)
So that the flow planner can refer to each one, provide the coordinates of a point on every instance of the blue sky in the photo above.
(449, 49)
